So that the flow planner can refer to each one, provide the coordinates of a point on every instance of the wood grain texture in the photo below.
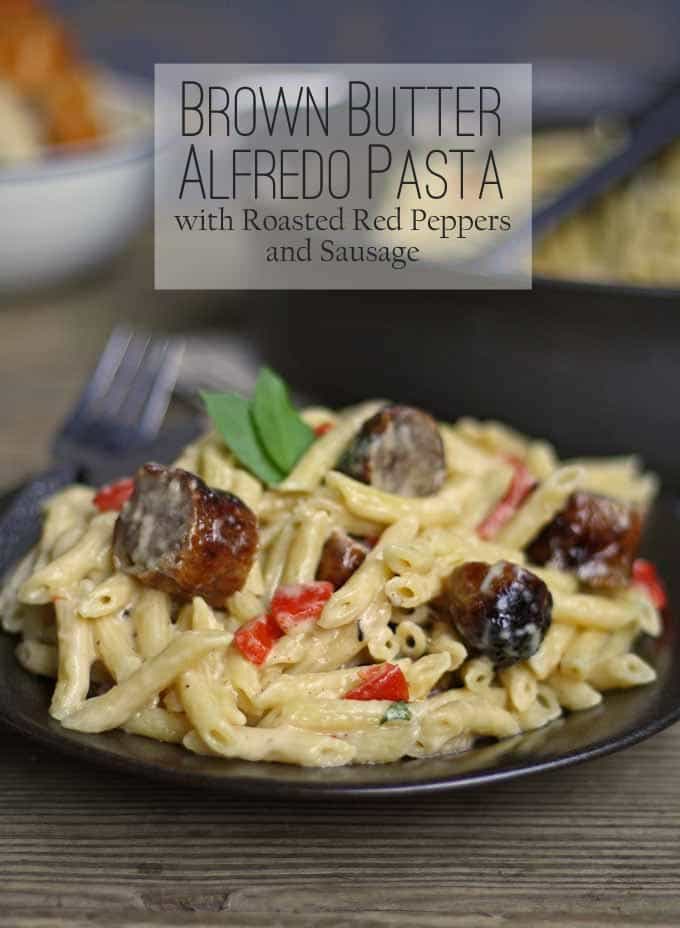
(597, 844)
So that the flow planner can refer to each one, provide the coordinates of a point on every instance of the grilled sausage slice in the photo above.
(178, 535)
(340, 557)
(500, 610)
(595, 536)
(399, 450)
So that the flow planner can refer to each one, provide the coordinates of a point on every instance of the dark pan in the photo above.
(595, 367)
(596, 370)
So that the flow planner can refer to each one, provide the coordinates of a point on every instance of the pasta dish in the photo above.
(629, 235)
(326, 588)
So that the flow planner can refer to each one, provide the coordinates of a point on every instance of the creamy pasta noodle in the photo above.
(402, 589)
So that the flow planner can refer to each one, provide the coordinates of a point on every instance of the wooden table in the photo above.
(597, 844)
(593, 845)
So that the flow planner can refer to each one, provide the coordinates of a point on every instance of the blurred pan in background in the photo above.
(593, 366)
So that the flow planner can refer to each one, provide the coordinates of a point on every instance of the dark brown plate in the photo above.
(623, 719)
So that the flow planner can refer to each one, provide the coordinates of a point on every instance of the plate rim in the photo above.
(273, 788)
(283, 789)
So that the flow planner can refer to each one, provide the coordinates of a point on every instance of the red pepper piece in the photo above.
(256, 638)
(299, 602)
(645, 575)
(322, 428)
(290, 605)
(522, 484)
(113, 496)
(384, 682)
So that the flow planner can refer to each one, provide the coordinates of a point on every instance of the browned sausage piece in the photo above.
(178, 535)
(399, 450)
(340, 557)
(595, 536)
(500, 610)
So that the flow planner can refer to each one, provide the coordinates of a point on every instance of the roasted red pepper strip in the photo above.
(113, 496)
(322, 428)
(299, 602)
(384, 682)
(522, 484)
(290, 605)
(256, 638)
(645, 575)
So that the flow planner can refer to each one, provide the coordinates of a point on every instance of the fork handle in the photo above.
(20, 519)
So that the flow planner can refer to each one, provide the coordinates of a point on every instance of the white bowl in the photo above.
(68, 212)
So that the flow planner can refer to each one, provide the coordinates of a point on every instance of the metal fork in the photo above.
(112, 426)
(124, 403)
(218, 363)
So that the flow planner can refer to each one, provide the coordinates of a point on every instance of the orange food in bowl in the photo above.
(40, 61)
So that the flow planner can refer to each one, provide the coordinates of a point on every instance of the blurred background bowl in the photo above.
(70, 211)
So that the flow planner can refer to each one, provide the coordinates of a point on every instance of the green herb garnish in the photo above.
(266, 434)
(397, 712)
(281, 429)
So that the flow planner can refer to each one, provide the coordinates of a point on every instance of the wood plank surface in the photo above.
(597, 844)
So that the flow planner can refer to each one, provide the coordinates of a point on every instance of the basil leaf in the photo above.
(397, 712)
(284, 435)
(231, 415)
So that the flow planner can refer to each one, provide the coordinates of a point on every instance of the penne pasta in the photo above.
(158, 724)
(114, 646)
(91, 553)
(305, 550)
(521, 686)
(325, 452)
(544, 709)
(387, 508)
(285, 745)
(620, 672)
(389, 656)
(412, 639)
(152, 622)
(356, 594)
(549, 655)
(541, 506)
(477, 674)
(76, 654)
(443, 640)
(114, 708)
(575, 695)
(595, 612)
(582, 652)
(113, 595)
